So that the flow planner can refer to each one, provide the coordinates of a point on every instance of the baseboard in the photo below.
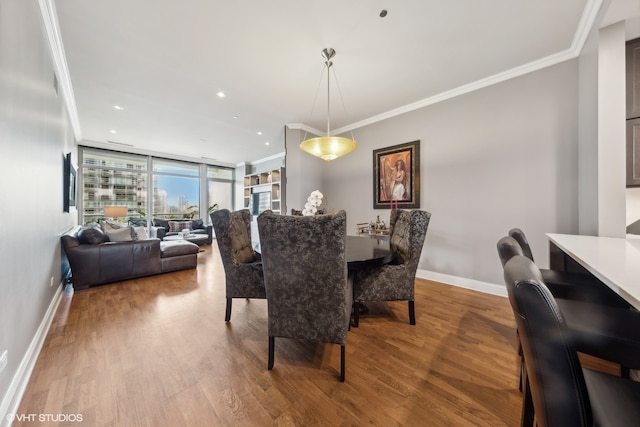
(11, 400)
(476, 285)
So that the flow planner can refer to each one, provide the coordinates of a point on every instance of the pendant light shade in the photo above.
(328, 147)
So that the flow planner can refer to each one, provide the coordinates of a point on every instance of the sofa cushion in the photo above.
(177, 248)
(241, 250)
(179, 225)
(91, 234)
(123, 234)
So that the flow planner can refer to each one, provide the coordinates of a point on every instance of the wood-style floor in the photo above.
(156, 352)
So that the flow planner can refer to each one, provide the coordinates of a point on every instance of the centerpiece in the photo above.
(313, 201)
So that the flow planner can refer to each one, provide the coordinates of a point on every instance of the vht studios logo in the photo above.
(43, 418)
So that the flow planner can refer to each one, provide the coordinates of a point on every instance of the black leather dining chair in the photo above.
(557, 390)
(606, 332)
(572, 285)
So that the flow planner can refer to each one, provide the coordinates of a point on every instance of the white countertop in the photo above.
(615, 261)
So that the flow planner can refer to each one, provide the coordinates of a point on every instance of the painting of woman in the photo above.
(396, 174)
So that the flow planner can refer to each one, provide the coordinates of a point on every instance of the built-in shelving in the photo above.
(269, 182)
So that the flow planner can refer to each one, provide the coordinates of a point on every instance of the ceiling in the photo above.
(164, 61)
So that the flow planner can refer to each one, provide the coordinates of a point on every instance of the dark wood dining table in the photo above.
(367, 251)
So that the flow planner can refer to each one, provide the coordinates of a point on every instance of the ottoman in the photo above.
(178, 255)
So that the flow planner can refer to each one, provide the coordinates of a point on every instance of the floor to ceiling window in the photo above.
(150, 187)
(176, 189)
(219, 192)
(112, 179)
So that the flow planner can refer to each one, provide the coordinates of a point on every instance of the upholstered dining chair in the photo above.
(557, 390)
(242, 265)
(394, 281)
(309, 296)
(606, 332)
(569, 284)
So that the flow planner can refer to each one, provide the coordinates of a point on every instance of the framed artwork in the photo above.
(396, 176)
(69, 183)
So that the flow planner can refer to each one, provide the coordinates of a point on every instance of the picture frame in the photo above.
(69, 184)
(396, 176)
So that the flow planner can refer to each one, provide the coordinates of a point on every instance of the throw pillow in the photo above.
(141, 233)
(138, 222)
(122, 234)
(164, 223)
(110, 225)
(197, 224)
(241, 250)
(92, 235)
(399, 241)
(179, 225)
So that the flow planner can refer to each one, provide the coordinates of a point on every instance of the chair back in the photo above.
(518, 234)
(233, 234)
(508, 247)
(305, 275)
(406, 238)
(554, 374)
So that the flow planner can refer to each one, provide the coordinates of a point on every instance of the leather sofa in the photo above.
(104, 261)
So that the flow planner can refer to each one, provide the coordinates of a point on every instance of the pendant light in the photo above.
(328, 147)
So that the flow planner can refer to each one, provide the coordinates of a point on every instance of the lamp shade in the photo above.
(115, 211)
(328, 147)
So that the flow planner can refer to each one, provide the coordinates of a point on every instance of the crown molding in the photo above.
(302, 126)
(50, 21)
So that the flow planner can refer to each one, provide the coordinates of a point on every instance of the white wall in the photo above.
(35, 134)
(304, 171)
(501, 157)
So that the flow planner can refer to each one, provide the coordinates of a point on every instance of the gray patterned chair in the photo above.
(394, 281)
(305, 271)
(242, 265)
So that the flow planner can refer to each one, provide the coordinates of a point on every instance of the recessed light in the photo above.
(220, 94)
(235, 117)
(113, 131)
(259, 133)
(267, 143)
(118, 107)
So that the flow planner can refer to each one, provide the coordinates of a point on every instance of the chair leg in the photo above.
(522, 367)
(271, 352)
(528, 412)
(342, 373)
(227, 314)
(356, 314)
(412, 313)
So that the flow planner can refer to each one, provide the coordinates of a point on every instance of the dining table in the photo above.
(366, 252)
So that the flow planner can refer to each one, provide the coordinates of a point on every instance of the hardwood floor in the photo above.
(156, 352)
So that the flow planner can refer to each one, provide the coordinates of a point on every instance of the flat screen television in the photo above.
(260, 202)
